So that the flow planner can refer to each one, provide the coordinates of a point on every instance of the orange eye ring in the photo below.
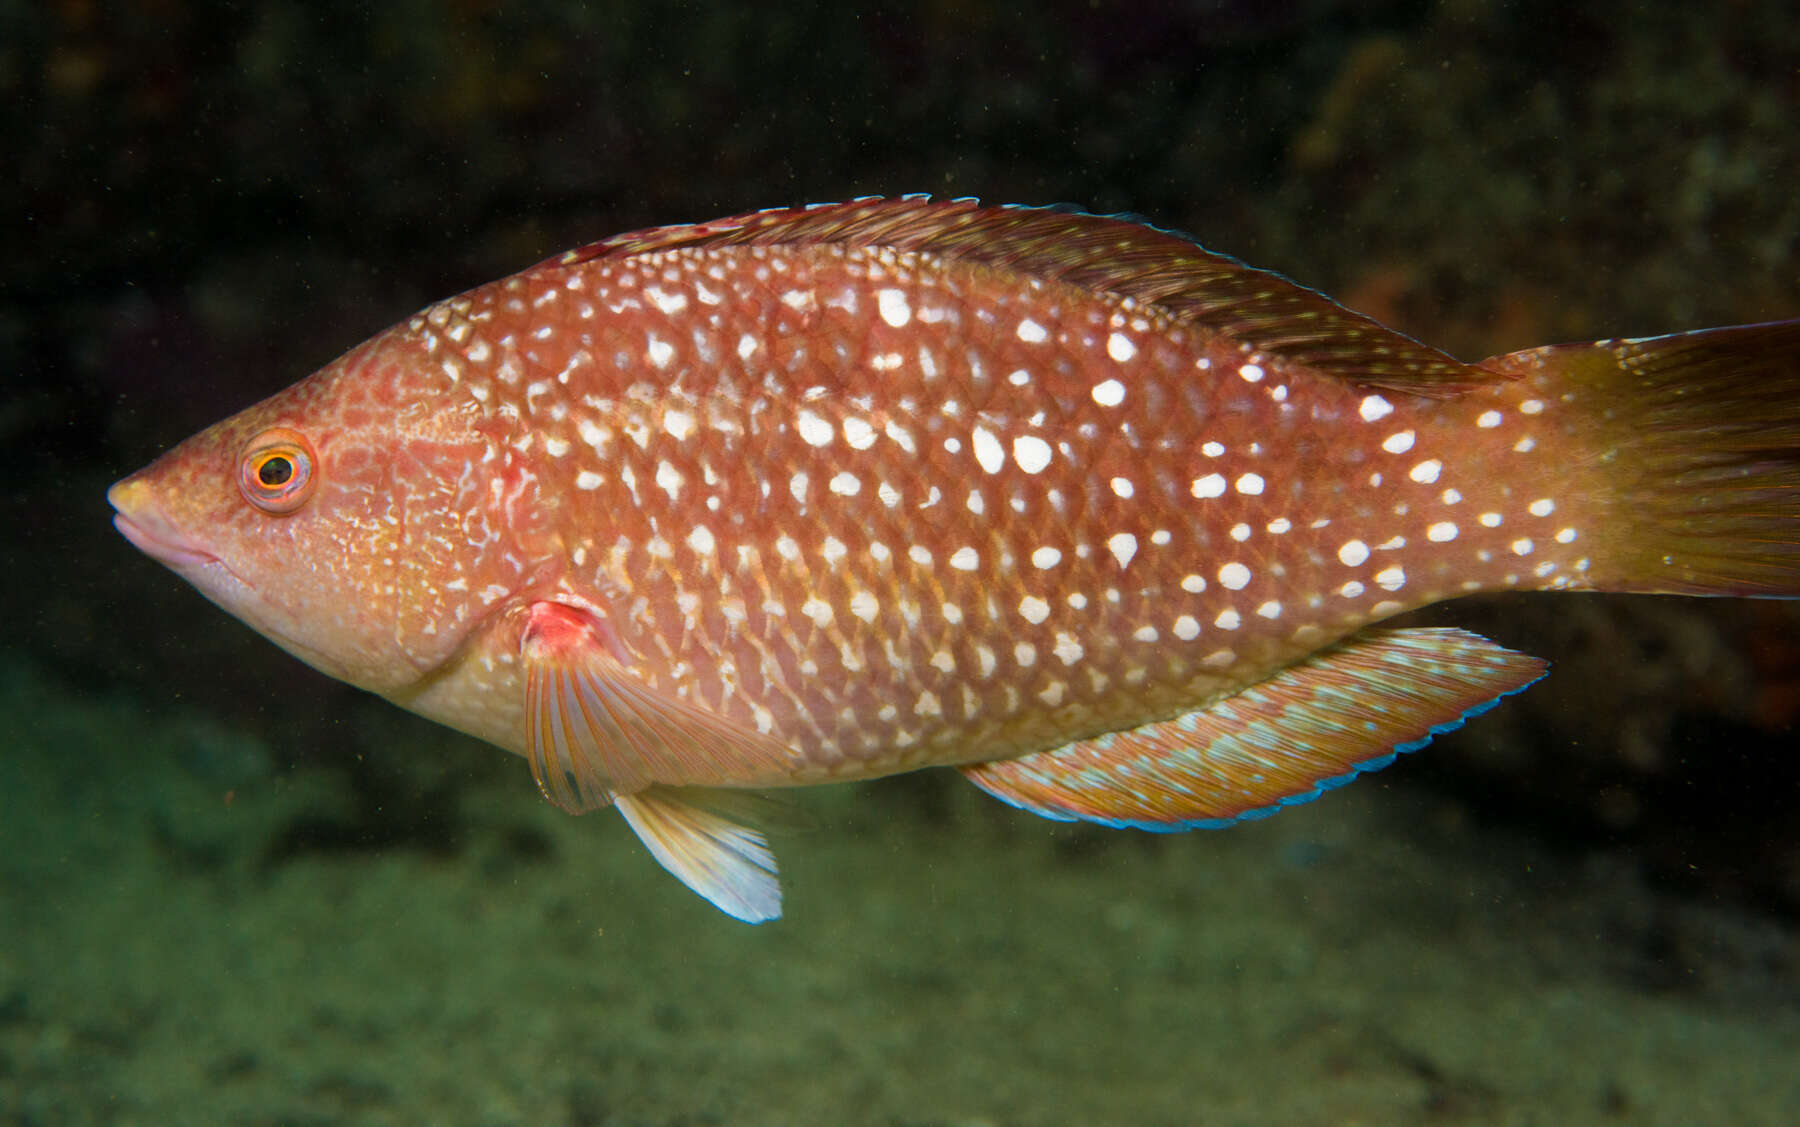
(275, 472)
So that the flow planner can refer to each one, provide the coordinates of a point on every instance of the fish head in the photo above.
(328, 518)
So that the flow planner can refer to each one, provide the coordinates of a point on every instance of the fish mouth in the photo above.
(139, 521)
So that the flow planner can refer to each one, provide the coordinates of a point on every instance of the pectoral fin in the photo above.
(597, 735)
(1347, 709)
(596, 732)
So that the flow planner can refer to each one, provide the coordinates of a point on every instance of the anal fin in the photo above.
(1347, 709)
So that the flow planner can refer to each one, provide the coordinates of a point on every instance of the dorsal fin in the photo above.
(1102, 254)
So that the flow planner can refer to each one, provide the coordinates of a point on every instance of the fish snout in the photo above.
(140, 520)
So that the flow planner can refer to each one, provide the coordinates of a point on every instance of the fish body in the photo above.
(831, 493)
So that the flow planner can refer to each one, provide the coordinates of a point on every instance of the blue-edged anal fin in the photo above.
(598, 735)
(1349, 708)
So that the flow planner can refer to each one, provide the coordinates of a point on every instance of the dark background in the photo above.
(203, 202)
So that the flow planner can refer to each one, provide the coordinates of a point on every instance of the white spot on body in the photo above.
(813, 429)
(1212, 485)
(858, 433)
(1123, 546)
(864, 606)
(1353, 553)
(1031, 332)
(818, 610)
(1234, 576)
(678, 423)
(1046, 557)
(1488, 420)
(1122, 487)
(846, 484)
(1442, 532)
(1391, 578)
(660, 352)
(1109, 393)
(1120, 348)
(1068, 649)
(701, 540)
(965, 559)
(1542, 507)
(1250, 483)
(1374, 407)
(1033, 609)
(1032, 453)
(893, 307)
(1186, 628)
(1399, 442)
(988, 451)
(1427, 471)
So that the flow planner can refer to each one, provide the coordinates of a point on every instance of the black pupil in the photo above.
(275, 470)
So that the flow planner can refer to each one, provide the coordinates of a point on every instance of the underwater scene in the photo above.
(826, 650)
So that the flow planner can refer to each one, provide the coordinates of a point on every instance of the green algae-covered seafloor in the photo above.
(170, 954)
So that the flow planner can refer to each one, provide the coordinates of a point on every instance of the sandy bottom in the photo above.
(1374, 958)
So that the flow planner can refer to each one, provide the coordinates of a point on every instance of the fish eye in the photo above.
(275, 472)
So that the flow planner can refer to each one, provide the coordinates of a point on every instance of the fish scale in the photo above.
(831, 493)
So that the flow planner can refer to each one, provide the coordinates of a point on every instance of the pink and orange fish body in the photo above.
(823, 494)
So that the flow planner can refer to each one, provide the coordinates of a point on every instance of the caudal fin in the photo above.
(1696, 437)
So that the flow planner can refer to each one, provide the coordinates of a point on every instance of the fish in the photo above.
(1106, 521)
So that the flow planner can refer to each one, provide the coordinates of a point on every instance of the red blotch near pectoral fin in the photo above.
(1316, 725)
(597, 735)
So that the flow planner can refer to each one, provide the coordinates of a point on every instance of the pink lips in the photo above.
(139, 521)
